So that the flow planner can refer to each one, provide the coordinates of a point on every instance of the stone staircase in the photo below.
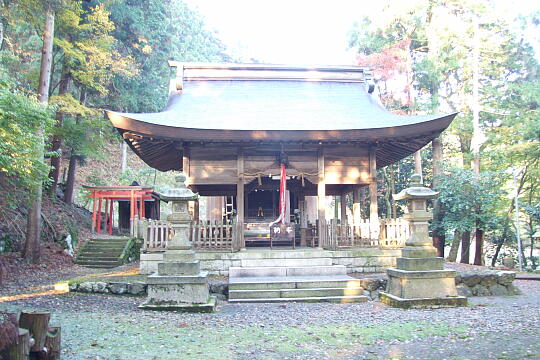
(285, 279)
(103, 252)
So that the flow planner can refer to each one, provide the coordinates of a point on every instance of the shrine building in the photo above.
(230, 127)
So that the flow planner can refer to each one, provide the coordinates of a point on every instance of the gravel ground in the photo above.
(112, 327)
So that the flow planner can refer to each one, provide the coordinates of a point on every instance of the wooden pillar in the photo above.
(106, 215)
(196, 211)
(357, 211)
(99, 214)
(185, 164)
(94, 215)
(111, 216)
(373, 208)
(321, 198)
(240, 198)
(343, 204)
(131, 206)
(303, 218)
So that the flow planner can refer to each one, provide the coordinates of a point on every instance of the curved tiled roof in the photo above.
(239, 103)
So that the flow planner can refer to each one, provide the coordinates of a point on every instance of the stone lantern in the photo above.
(179, 283)
(420, 279)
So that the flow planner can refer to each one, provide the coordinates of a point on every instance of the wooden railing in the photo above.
(203, 235)
(155, 233)
(223, 236)
(215, 236)
(392, 233)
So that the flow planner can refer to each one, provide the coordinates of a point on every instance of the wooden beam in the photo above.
(321, 197)
(373, 208)
(240, 197)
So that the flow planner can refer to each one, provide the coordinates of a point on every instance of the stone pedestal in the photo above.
(420, 279)
(179, 283)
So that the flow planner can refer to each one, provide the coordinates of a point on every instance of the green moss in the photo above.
(118, 335)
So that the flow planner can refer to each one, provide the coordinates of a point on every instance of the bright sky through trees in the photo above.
(301, 31)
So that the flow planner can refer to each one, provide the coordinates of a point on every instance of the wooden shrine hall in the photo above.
(230, 127)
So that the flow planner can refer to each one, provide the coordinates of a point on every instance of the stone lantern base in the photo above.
(413, 284)
(179, 285)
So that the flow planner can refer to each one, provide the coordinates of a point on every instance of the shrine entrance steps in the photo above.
(292, 278)
(103, 252)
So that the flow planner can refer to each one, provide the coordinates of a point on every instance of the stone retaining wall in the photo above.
(469, 284)
(220, 288)
(486, 283)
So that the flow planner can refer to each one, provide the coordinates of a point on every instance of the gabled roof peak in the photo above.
(229, 71)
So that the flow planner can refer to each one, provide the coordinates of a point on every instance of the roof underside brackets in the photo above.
(177, 84)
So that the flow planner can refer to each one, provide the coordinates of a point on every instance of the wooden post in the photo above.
(343, 203)
(357, 215)
(321, 198)
(106, 215)
(196, 210)
(19, 350)
(94, 196)
(111, 217)
(99, 214)
(373, 207)
(185, 164)
(303, 218)
(37, 322)
(240, 199)
(53, 343)
(131, 206)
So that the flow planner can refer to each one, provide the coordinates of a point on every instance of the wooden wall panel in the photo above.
(346, 164)
(213, 165)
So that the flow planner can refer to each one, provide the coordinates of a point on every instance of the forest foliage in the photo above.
(463, 56)
(106, 54)
(446, 56)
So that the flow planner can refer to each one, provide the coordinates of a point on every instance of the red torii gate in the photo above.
(135, 194)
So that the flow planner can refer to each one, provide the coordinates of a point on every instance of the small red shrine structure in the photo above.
(143, 203)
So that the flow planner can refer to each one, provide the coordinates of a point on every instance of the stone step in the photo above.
(286, 262)
(253, 254)
(294, 293)
(293, 282)
(98, 266)
(102, 248)
(338, 299)
(99, 262)
(120, 238)
(97, 258)
(287, 271)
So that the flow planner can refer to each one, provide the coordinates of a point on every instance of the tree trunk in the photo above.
(53, 343)
(452, 255)
(479, 247)
(418, 163)
(73, 159)
(19, 350)
(31, 251)
(124, 157)
(496, 255)
(438, 232)
(37, 323)
(56, 142)
(465, 247)
(393, 191)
